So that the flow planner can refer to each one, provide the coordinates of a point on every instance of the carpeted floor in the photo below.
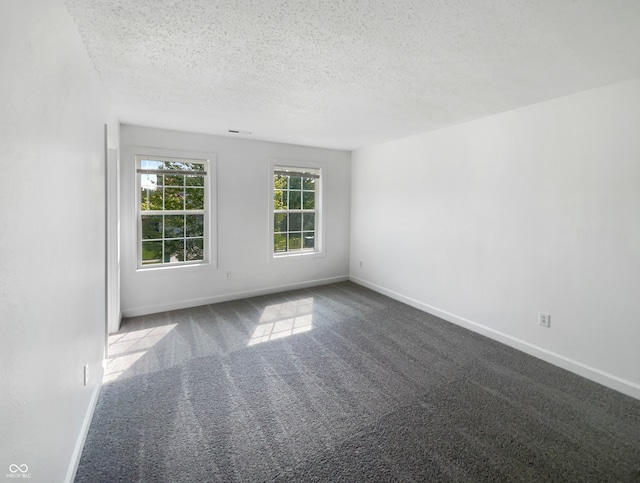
(339, 383)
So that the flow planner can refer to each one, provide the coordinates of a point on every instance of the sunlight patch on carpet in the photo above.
(125, 349)
(283, 320)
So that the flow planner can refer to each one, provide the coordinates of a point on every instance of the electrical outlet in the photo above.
(544, 320)
(86, 374)
(227, 275)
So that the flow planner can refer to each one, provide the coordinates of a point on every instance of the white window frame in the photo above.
(298, 167)
(206, 212)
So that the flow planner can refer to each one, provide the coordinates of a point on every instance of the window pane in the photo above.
(155, 199)
(280, 222)
(295, 221)
(195, 225)
(144, 199)
(151, 199)
(309, 221)
(177, 165)
(173, 180)
(280, 200)
(192, 166)
(280, 182)
(280, 243)
(151, 252)
(309, 184)
(150, 164)
(295, 241)
(173, 226)
(151, 227)
(309, 200)
(173, 251)
(148, 181)
(295, 183)
(195, 249)
(294, 200)
(194, 180)
(195, 199)
(173, 199)
(309, 239)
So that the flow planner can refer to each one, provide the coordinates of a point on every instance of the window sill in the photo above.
(184, 266)
(294, 255)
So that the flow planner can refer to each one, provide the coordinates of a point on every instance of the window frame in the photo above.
(206, 212)
(296, 166)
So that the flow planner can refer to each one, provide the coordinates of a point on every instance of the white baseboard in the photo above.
(84, 429)
(185, 304)
(609, 380)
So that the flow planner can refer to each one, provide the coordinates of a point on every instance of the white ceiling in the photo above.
(348, 74)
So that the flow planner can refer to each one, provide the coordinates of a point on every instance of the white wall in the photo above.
(52, 240)
(114, 314)
(534, 210)
(243, 221)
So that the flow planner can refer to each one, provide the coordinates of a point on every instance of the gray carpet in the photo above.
(369, 390)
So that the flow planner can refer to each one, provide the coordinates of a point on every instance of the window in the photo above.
(172, 211)
(295, 210)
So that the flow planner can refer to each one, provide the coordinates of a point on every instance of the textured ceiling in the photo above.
(348, 74)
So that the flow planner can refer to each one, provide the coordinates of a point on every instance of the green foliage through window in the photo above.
(295, 197)
(172, 210)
